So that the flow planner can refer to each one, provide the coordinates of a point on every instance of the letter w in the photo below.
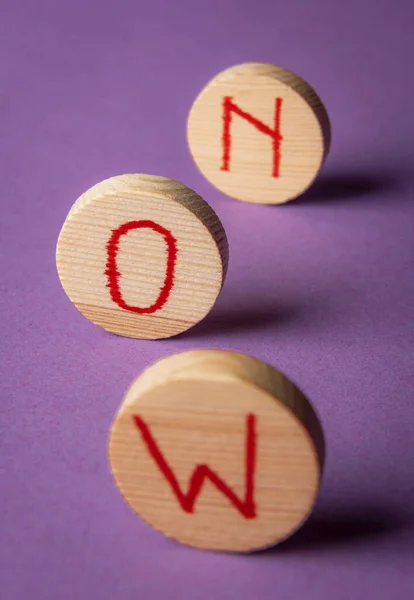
(201, 472)
(228, 108)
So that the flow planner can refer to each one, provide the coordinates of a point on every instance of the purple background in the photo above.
(321, 288)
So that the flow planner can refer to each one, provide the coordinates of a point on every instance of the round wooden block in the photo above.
(217, 450)
(259, 133)
(142, 256)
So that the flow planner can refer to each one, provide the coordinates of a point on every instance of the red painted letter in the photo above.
(201, 472)
(228, 108)
(113, 274)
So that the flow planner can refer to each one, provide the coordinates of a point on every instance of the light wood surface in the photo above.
(142, 256)
(259, 133)
(200, 420)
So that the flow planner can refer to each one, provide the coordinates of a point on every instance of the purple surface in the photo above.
(322, 288)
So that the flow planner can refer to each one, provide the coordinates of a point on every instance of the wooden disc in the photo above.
(259, 133)
(218, 451)
(142, 256)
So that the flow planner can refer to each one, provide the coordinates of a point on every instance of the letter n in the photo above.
(229, 107)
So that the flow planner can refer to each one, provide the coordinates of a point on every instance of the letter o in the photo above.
(142, 256)
(113, 273)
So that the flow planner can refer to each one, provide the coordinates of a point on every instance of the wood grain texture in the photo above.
(196, 406)
(142, 256)
(259, 167)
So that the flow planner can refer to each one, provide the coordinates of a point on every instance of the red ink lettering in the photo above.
(201, 472)
(113, 274)
(228, 108)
